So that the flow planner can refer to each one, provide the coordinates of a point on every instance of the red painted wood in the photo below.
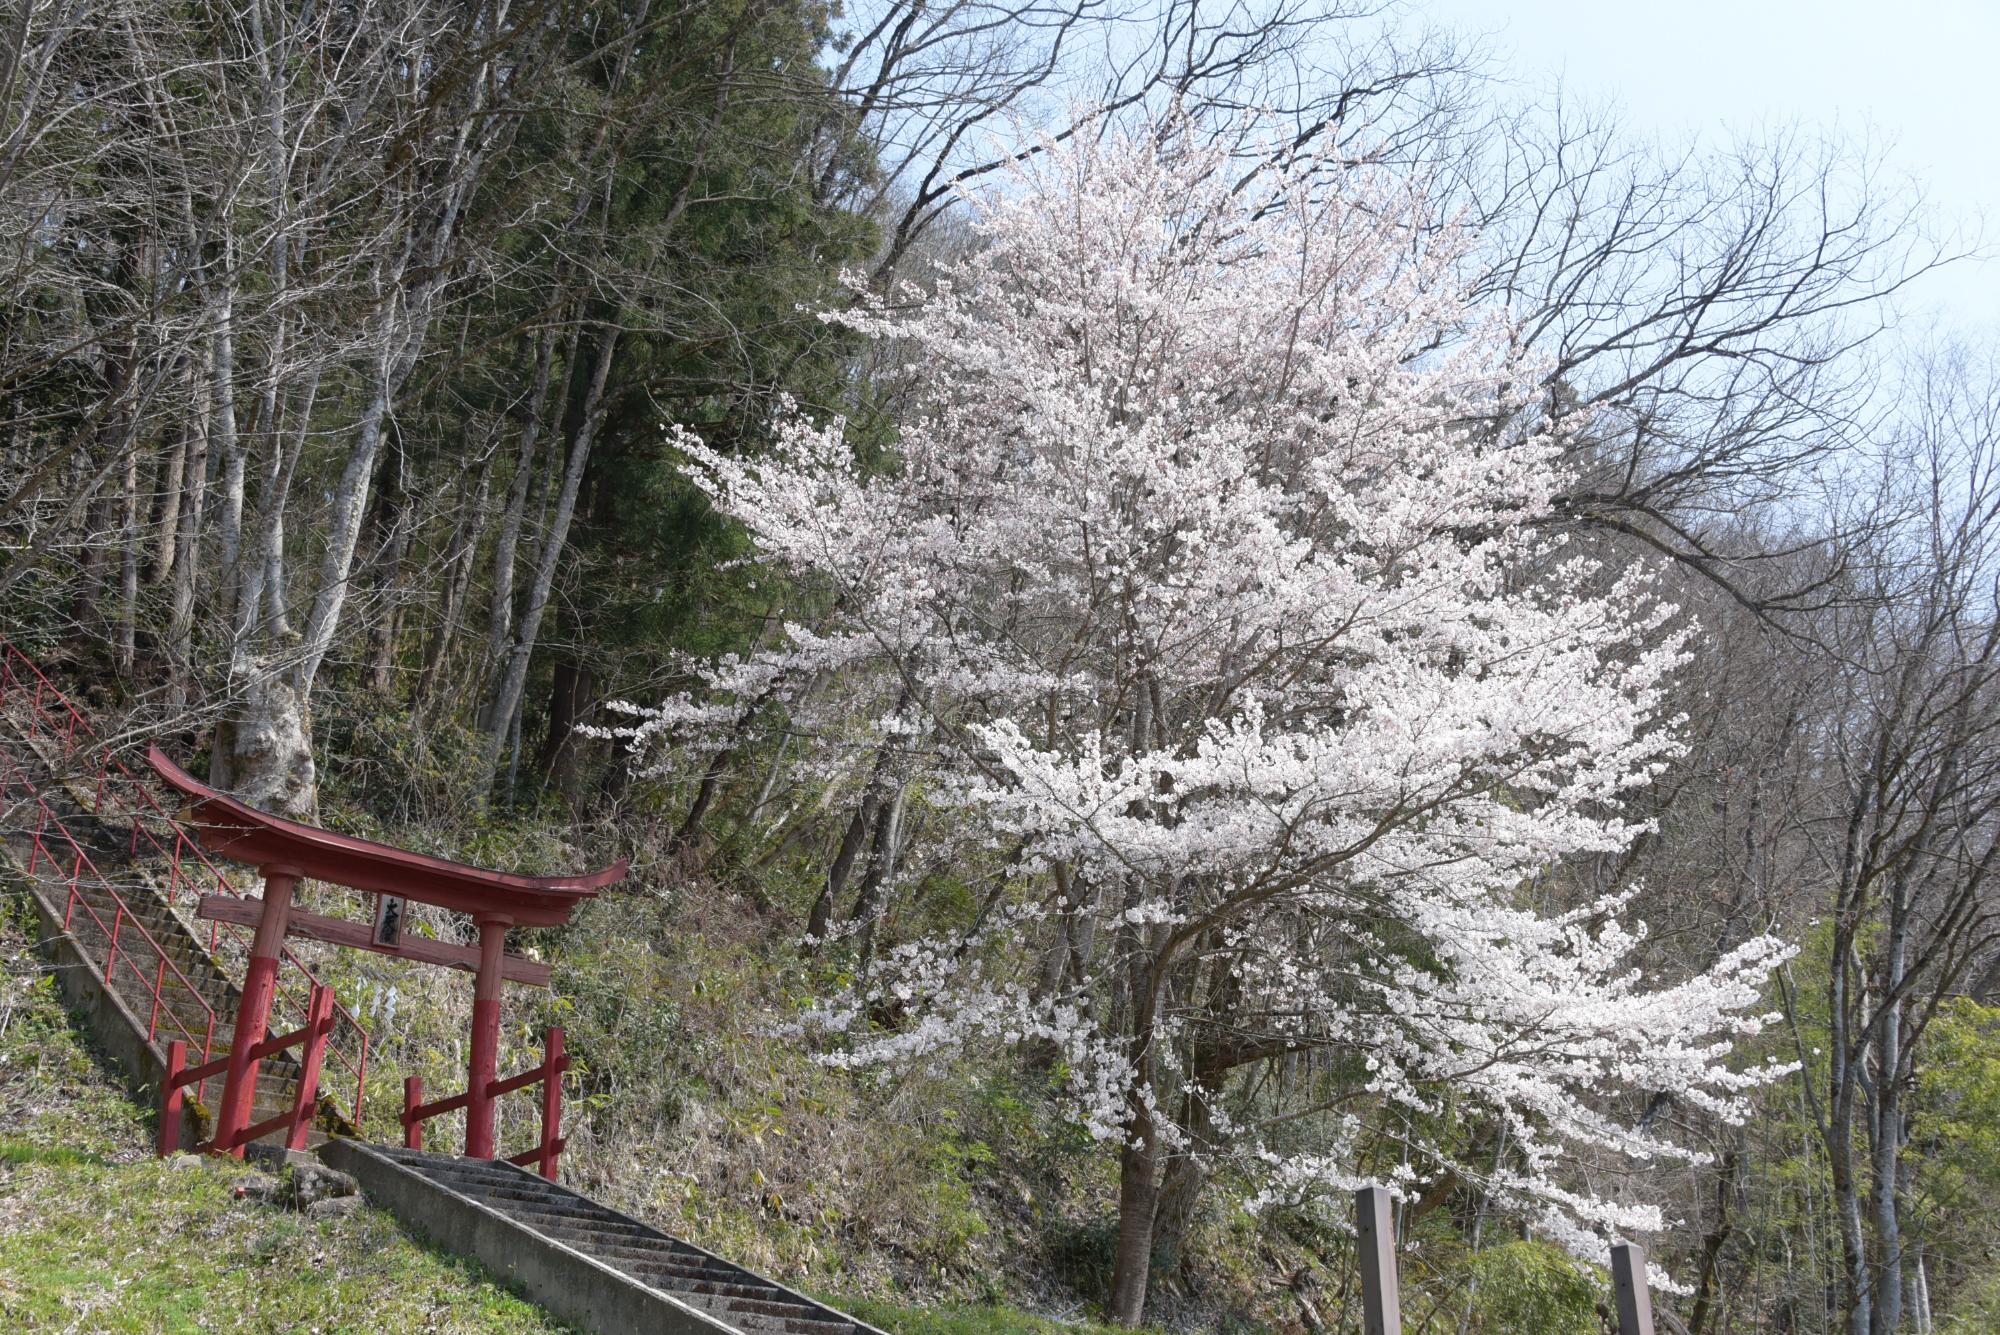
(196, 1074)
(534, 1156)
(423, 1112)
(257, 1130)
(554, 1062)
(232, 829)
(253, 1014)
(532, 1075)
(413, 1125)
(305, 1097)
(170, 1099)
(483, 1058)
(342, 932)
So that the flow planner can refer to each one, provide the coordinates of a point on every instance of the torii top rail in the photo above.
(286, 851)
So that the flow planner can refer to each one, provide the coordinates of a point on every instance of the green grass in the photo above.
(98, 1235)
(16, 1154)
(53, 1094)
(165, 1246)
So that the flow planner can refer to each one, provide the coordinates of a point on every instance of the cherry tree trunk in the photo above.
(1138, 1206)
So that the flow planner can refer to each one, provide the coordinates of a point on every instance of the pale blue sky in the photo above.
(1921, 78)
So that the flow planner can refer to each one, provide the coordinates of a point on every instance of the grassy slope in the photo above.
(97, 1235)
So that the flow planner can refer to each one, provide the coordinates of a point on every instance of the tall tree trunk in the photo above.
(180, 622)
(387, 627)
(842, 866)
(1886, 1126)
(500, 620)
(227, 443)
(128, 573)
(882, 859)
(1708, 1280)
(572, 696)
(464, 550)
(514, 677)
(1840, 1147)
(167, 513)
(263, 748)
(1138, 1208)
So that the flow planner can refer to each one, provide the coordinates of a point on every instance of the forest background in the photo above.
(344, 353)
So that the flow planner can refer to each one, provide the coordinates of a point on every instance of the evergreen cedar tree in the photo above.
(1208, 586)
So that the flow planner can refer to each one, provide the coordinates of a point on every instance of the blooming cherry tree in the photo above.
(1214, 590)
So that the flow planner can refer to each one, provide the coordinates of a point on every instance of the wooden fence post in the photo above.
(413, 1130)
(170, 1098)
(1375, 1244)
(1628, 1277)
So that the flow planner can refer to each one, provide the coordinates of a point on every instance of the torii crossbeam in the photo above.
(284, 852)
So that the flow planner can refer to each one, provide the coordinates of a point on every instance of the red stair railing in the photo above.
(548, 1073)
(119, 794)
(46, 847)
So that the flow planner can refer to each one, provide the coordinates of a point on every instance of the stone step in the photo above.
(752, 1297)
(685, 1263)
(159, 924)
(581, 1229)
(690, 1275)
(443, 1195)
(746, 1317)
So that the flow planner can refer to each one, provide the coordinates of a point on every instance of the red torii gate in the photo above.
(285, 852)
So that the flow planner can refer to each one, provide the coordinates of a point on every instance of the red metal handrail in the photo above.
(121, 917)
(548, 1073)
(50, 710)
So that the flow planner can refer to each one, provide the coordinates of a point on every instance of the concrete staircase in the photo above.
(117, 891)
(584, 1262)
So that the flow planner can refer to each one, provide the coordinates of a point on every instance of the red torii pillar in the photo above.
(482, 1065)
(253, 1011)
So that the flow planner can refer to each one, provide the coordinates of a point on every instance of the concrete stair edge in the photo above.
(860, 1327)
(578, 1287)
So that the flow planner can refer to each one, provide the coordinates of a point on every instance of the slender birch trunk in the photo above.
(500, 620)
(514, 679)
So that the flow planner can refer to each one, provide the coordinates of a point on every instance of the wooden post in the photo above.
(483, 1062)
(253, 1011)
(1375, 1244)
(1628, 1277)
(553, 1063)
(319, 1023)
(413, 1130)
(170, 1098)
